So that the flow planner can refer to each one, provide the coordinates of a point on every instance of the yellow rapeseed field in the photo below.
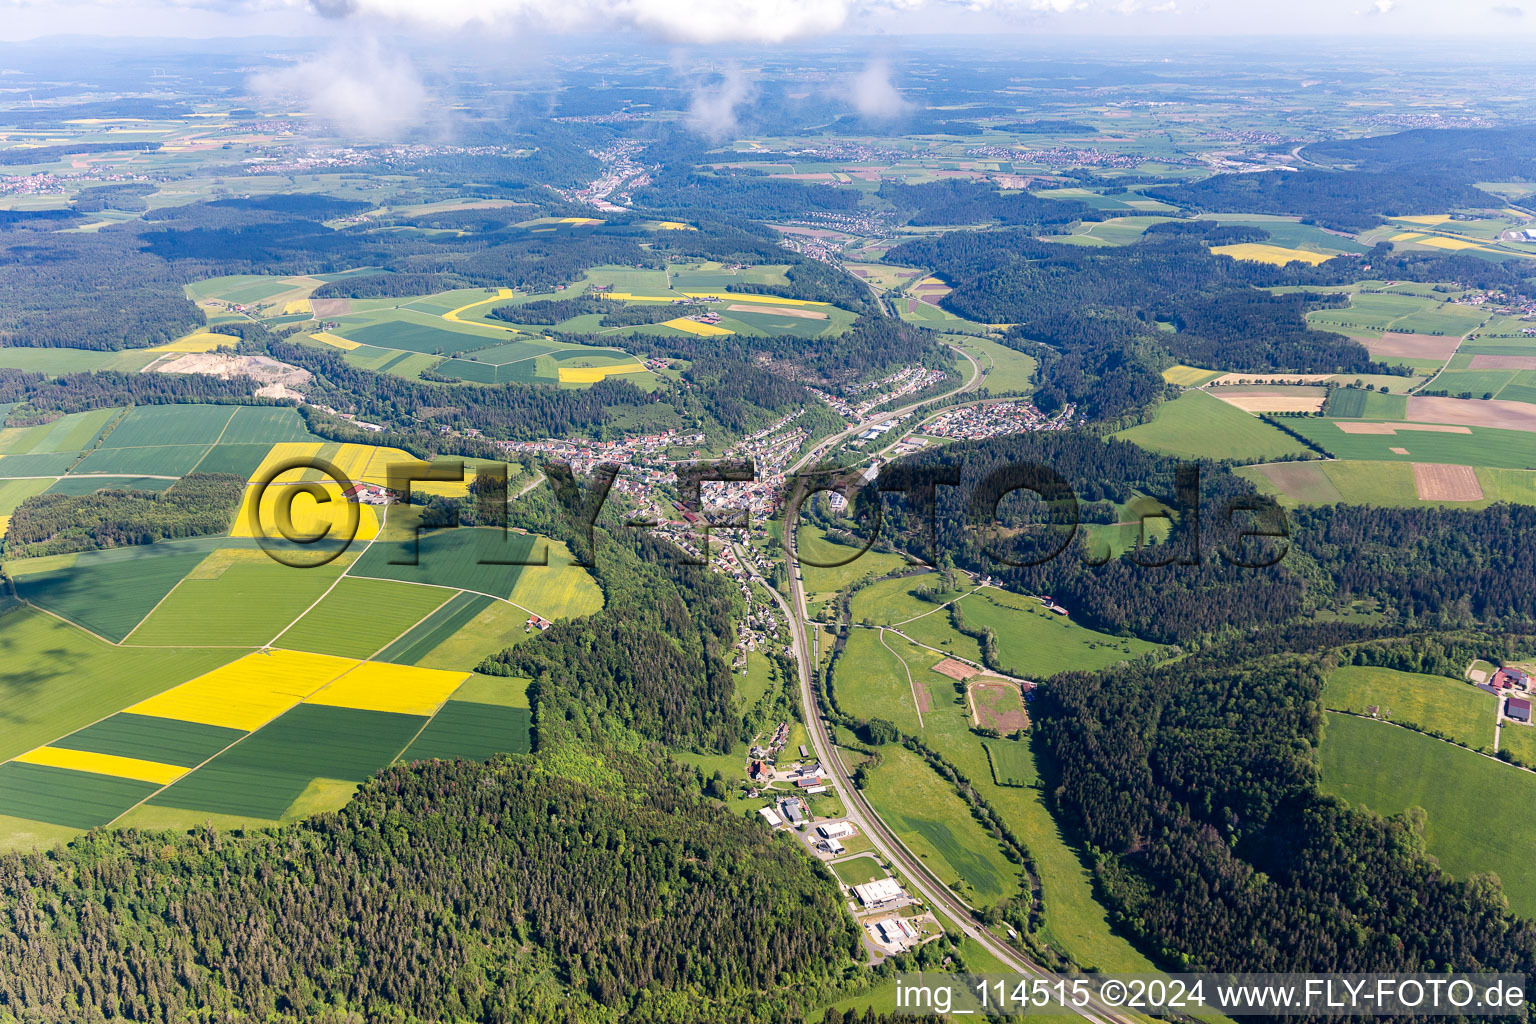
(593, 374)
(248, 693)
(201, 341)
(380, 686)
(310, 515)
(104, 764)
(674, 225)
(1429, 220)
(1450, 243)
(1273, 254)
(682, 323)
(297, 306)
(345, 344)
(1184, 376)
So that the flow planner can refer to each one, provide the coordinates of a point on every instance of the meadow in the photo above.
(1196, 425)
(1038, 643)
(1008, 371)
(1478, 809)
(1447, 707)
(935, 824)
(871, 680)
(822, 583)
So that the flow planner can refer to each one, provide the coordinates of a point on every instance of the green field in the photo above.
(1479, 818)
(481, 560)
(413, 333)
(162, 740)
(1480, 446)
(857, 870)
(70, 433)
(935, 824)
(245, 602)
(1011, 761)
(870, 681)
(472, 731)
(501, 691)
(558, 590)
(1036, 643)
(59, 796)
(154, 426)
(263, 774)
(108, 592)
(823, 583)
(1447, 707)
(55, 678)
(1008, 371)
(1377, 483)
(427, 634)
(59, 361)
(1196, 425)
(361, 616)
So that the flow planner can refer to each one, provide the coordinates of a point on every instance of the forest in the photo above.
(1342, 200)
(1447, 568)
(1195, 788)
(197, 505)
(448, 891)
(1104, 321)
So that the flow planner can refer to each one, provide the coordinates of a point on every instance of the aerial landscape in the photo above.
(709, 512)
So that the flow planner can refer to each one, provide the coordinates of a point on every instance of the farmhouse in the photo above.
(879, 892)
(1511, 679)
(1517, 709)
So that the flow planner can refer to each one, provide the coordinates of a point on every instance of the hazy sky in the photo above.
(705, 21)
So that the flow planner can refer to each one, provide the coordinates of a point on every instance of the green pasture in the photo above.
(936, 825)
(1478, 809)
(1448, 707)
(1195, 425)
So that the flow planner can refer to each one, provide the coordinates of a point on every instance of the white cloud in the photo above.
(357, 89)
(1382, 7)
(874, 95)
(713, 111)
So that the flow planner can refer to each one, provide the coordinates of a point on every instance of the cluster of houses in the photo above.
(1507, 680)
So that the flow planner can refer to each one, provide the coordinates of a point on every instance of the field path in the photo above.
(917, 704)
(1459, 342)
